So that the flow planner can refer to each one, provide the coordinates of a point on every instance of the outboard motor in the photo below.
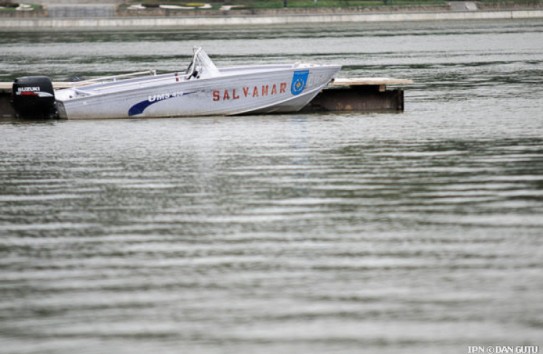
(33, 97)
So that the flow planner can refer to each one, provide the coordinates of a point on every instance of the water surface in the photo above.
(349, 233)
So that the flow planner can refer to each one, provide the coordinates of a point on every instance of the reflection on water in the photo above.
(417, 232)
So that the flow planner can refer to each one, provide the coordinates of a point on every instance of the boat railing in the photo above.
(114, 78)
(165, 78)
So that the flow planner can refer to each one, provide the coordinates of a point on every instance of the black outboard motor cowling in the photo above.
(33, 97)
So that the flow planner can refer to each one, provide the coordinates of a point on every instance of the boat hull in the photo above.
(279, 89)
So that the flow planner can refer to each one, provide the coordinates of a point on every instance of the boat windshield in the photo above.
(201, 66)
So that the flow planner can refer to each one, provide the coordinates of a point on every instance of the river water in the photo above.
(418, 232)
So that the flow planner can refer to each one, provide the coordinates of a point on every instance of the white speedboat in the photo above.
(203, 89)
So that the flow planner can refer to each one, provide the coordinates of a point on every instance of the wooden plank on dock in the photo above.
(340, 82)
(5, 86)
(369, 81)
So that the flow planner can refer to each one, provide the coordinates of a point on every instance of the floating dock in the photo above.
(360, 95)
(342, 95)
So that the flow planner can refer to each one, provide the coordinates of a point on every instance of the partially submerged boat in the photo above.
(201, 90)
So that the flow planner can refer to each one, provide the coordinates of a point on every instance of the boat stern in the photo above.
(61, 110)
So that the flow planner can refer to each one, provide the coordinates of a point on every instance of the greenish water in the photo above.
(417, 232)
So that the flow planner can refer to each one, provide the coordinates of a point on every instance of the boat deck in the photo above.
(147, 79)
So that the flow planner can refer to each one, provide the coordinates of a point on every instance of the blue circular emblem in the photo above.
(299, 80)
